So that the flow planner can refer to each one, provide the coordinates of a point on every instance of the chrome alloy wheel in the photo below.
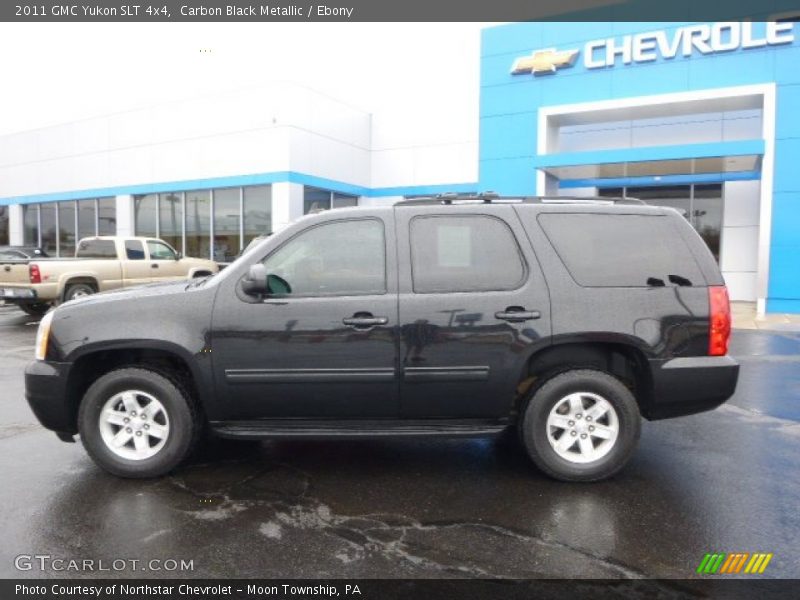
(582, 427)
(134, 425)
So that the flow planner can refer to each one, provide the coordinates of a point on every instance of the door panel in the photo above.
(463, 351)
(328, 349)
(163, 262)
(135, 266)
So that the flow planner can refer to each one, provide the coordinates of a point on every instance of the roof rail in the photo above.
(450, 198)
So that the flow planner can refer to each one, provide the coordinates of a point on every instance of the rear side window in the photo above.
(604, 250)
(464, 254)
(96, 249)
(134, 250)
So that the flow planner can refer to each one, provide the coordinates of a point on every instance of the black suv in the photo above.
(565, 320)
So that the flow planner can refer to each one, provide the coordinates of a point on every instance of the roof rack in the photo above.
(450, 198)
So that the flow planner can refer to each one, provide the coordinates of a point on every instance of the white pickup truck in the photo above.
(100, 264)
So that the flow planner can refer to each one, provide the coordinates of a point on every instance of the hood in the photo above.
(141, 291)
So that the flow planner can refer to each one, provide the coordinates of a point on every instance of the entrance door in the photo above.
(700, 204)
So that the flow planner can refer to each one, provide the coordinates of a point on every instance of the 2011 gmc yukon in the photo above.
(567, 321)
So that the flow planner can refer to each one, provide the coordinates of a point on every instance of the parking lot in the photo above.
(724, 481)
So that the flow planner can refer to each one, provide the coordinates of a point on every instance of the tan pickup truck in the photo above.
(100, 264)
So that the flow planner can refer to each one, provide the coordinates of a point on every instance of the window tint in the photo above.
(160, 251)
(97, 249)
(134, 250)
(602, 250)
(339, 258)
(464, 254)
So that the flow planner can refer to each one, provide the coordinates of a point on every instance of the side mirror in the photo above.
(178, 256)
(255, 282)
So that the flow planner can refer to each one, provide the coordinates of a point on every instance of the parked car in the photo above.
(564, 321)
(14, 270)
(100, 264)
(21, 252)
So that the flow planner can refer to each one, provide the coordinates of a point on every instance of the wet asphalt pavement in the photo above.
(728, 481)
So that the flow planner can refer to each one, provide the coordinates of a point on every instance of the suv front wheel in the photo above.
(138, 423)
(581, 425)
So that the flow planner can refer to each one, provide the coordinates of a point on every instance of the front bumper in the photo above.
(688, 385)
(46, 392)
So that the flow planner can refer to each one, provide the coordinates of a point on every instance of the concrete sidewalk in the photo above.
(745, 317)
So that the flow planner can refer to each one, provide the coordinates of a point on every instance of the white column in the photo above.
(740, 231)
(16, 225)
(125, 221)
(287, 203)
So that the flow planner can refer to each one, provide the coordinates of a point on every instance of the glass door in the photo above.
(700, 204)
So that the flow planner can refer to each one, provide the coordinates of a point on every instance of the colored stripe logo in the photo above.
(719, 563)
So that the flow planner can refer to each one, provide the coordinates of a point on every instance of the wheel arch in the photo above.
(95, 361)
(75, 279)
(617, 355)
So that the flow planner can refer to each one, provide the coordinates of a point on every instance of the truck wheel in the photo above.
(35, 310)
(581, 425)
(136, 422)
(78, 290)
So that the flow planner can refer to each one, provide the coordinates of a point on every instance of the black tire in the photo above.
(76, 290)
(35, 310)
(185, 423)
(534, 427)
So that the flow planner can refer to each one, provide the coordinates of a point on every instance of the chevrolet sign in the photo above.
(707, 38)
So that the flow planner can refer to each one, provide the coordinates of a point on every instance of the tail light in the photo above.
(719, 321)
(34, 274)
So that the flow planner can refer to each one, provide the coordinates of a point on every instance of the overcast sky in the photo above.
(54, 73)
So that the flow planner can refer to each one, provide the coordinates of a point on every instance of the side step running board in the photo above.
(354, 429)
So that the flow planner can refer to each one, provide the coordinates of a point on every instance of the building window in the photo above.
(66, 228)
(256, 213)
(3, 225)
(107, 216)
(316, 199)
(170, 219)
(30, 221)
(87, 218)
(198, 224)
(187, 220)
(48, 227)
(145, 208)
(56, 227)
(227, 230)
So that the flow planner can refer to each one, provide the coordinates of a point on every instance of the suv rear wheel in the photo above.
(138, 423)
(581, 425)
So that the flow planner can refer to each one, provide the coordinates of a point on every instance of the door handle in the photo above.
(154, 266)
(364, 321)
(517, 314)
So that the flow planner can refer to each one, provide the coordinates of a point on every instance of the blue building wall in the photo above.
(509, 113)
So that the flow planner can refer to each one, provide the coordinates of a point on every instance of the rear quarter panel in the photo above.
(662, 322)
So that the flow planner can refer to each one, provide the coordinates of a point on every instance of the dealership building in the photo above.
(702, 117)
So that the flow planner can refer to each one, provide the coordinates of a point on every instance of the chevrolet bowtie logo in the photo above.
(544, 61)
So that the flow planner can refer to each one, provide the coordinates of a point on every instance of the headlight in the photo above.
(42, 336)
